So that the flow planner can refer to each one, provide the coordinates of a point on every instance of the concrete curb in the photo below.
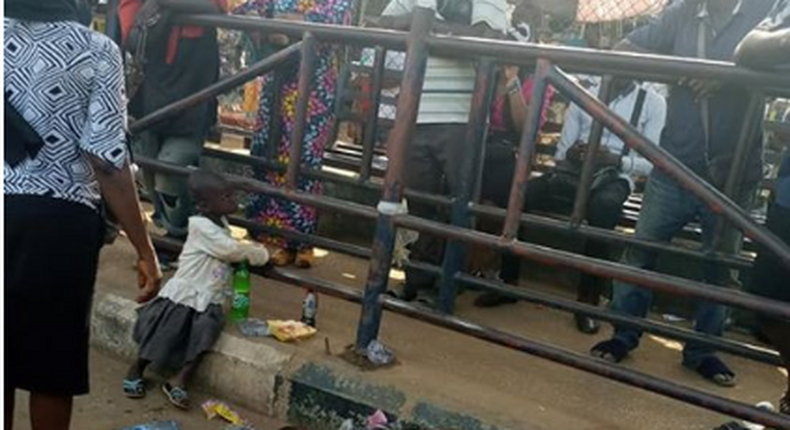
(273, 380)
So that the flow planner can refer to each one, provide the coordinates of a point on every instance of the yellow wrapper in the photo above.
(286, 331)
(215, 408)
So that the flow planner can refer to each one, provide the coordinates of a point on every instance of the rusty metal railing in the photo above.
(418, 44)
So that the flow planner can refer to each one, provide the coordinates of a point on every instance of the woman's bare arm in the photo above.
(119, 191)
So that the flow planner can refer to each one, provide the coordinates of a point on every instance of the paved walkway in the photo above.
(107, 409)
(498, 385)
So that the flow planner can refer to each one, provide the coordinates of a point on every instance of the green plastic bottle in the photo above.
(240, 308)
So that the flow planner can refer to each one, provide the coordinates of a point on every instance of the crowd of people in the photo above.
(68, 160)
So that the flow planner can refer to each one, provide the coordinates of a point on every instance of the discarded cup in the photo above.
(378, 354)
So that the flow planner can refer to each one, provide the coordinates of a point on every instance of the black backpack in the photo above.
(150, 24)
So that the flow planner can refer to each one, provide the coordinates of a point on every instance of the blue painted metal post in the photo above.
(469, 169)
(398, 143)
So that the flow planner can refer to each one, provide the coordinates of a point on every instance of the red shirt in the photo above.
(127, 11)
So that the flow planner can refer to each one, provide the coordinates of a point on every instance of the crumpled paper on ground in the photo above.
(379, 354)
(403, 237)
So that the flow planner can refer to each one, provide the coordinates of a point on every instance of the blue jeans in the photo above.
(666, 209)
(169, 193)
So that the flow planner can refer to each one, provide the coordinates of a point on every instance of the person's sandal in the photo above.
(493, 300)
(784, 404)
(714, 370)
(134, 388)
(283, 257)
(178, 396)
(612, 350)
(305, 259)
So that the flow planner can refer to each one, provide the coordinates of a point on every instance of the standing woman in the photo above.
(64, 144)
(276, 212)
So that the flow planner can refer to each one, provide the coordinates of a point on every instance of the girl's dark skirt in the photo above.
(51, 255)
(172, 335)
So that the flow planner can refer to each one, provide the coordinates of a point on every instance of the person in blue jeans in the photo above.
(704, 120)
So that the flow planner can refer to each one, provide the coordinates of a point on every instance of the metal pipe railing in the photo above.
(721, 344)
(491, 212)
(371, 128)
(602, 268)
(548, 256)
(642, 66)
(467, 176)
(398, 144)
(587, 364)
(303, 88)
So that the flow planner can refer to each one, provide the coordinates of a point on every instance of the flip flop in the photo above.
(612, 350)
(178, 396)
(134, 388)
(714, 370)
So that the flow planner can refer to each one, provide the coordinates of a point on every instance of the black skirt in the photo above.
(172, 335)
(51, 255)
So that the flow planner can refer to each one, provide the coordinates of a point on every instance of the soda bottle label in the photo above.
(241, 301)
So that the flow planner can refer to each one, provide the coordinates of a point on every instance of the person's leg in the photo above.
(423, 174)
(665, 210)
(605, 210)
(148, 144)
(176, 388)
(173, 190)
(10, 403)
(536, 198)
(710, 317)
(49, 412)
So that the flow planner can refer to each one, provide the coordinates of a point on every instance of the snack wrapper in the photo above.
(214, 408)
(287, 331)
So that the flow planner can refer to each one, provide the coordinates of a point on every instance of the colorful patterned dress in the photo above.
(276, 212)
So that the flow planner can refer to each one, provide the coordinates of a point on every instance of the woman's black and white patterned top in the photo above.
(67, 82)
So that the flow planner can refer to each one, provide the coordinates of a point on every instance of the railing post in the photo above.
(398, 143)
(471, 153)
(735, 177)
(306, 75)
(588, 168)
(271, 147)
(526, 150)
(371, 125)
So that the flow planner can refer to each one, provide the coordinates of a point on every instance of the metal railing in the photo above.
(418, 43)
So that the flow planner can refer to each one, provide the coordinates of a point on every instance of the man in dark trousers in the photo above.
(182, 62)
(704, 121)
(443, 112)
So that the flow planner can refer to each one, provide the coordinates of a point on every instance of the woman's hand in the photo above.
(511, 74)
(149, 278)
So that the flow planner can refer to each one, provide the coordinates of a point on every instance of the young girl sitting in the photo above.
(183, 322)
